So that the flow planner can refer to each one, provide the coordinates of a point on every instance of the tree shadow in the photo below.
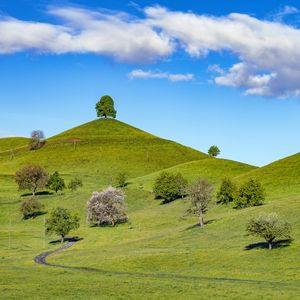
(43, 193)
(264, 245)
(67, 239)
(35, 214)
(198, 225)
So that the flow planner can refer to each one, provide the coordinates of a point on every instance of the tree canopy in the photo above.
(105, 107)
(214, 151)
(56, 182)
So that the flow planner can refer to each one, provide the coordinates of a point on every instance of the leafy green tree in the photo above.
(32, 178)
(56, 182)
(269, 227)
(107, 207)
(182, 184)
(168, 186)
(201, 193)
(61, 222)
(214, 151)
(31, 208)
(121, 179)
(251, 193)
(74, 184)
(227, 191)
(105, 107)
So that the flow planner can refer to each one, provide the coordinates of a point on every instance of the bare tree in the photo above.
(36, 139)
(106, 207)
(201, 194)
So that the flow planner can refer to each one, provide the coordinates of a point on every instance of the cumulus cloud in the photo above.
(267, 52)
(160, 75)
(84, 31)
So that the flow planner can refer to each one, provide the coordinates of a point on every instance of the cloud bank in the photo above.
(267, 52)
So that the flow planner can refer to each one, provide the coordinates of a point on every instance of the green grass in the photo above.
(12, 143)
(160, 253)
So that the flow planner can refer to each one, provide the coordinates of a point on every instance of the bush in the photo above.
(107, 207)
(250, 193)
(269, 227)
(74, 184)
(169, 187)
(31, 208)
(121, 179)
(227, 191)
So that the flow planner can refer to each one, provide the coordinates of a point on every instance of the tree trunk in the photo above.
(62, 238)
(33, 192)
(201, 221)
(270, 245)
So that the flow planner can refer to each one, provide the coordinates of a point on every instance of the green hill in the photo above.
(279, 177)
(103, 148)
(13, 143)
(212, 169)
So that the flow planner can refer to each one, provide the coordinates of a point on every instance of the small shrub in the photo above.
(250, 193)
(74, 184)
(121, 179)
(31, 208)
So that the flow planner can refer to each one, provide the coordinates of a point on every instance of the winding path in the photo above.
(41, 259)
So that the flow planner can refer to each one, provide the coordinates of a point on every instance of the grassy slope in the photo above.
(280, 177)
(159, 254)
(211, 168)
(103, 148)
(11, 143)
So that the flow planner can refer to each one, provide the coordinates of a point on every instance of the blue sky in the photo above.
(197, 72)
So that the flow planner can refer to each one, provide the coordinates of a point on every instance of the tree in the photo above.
(201, 194)
(214, 151)
(74, 184)
(121, 179)
(61, 222)
(168, 186)
(107, 207)
(227, 191)
(251, 193)
(56, 182)
(105, 107)
(36, 139)
(31, 208)
(31, 177)
(269, 227)
(182, 184)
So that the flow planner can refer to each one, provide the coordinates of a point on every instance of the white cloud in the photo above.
(267, 52)
(84, 31)
(160, 75)
(285, 11)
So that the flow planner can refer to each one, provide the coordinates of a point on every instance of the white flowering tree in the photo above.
(107, 207)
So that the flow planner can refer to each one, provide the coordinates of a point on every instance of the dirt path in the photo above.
(41, 259)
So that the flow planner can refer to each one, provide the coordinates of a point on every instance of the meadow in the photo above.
(160, 253)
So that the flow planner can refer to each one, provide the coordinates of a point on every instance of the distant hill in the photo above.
(10, 143)
(101, 149)
(282, 176)
(212, 169)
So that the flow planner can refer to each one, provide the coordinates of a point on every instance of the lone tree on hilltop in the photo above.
(107, 207)
(36, 139)
(201, 193)
(32, 178)
(61, 222)
(105, 107)
(213, 151)
(251, 193)
(269, 227)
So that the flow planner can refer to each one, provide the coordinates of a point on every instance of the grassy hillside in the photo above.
(280, 177)
(159, 253)
(103, 148)
(212, 169)
(12, 143)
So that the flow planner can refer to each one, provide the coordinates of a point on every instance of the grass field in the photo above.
(159, 253)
